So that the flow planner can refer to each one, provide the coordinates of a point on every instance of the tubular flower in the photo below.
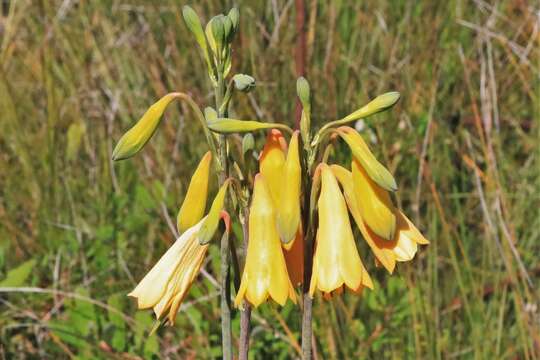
(336, 261)
(289, 206)
(192, 209)
(271, 163)
(265, 272)
(167, 283)
(374, 203)
(402, 247)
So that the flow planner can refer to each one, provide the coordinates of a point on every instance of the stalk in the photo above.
(245, 313)
(308, 218)
(226, 332)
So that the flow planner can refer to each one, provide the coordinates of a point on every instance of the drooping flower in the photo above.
(265, 272)
(402, 247)
(167, 283)
(288, 207)
(192, 209)
(336, 261)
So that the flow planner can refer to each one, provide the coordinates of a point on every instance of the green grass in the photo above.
(462, 144)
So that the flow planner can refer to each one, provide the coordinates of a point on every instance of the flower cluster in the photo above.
(298, 204)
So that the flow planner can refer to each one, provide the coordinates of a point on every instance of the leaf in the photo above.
(19, 275)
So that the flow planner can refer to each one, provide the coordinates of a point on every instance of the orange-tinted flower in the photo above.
(402, 247)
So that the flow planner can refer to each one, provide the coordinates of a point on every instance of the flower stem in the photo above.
(245, 313)
(309, 220)
(226, 332)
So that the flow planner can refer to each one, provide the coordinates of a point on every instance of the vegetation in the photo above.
(77, 233)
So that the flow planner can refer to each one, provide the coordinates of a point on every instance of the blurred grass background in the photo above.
(77, 233)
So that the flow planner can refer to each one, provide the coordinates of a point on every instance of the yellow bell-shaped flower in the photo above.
(192, 209)
(167, 283)
(336, 261)
(265, 272)
(374, 203)
(271, 163)
(402, 247)
(289, 205)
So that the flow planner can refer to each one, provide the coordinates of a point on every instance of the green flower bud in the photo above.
(234, 16)
(215, 33)
(194, 25)
(302, 89)
(210, 114)
(243, 82)
(380, 103)
(136, 137)
(248, 143)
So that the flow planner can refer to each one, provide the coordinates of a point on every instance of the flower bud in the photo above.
(380, 103)
(210, 225)
(234, 16)
(136, 137)
(244, 83)
(210, 114)
(194, 25)
(192, 209)
(248, 143)
(215, 33)
(376, 171)
(302, 89)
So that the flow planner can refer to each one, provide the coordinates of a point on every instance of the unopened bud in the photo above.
(243, 82)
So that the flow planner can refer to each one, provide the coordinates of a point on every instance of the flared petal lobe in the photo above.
(265, 272)
(374, 169)
(192, 209)
(336, 261)
(271, 163)
(374, 203)
(289, 205)
(167, 283)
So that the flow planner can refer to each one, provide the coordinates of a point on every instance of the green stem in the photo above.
(309, 219)
(226, 331)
